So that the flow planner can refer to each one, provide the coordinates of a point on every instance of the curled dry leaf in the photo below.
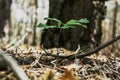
(69, 75)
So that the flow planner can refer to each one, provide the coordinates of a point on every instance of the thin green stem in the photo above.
(58, 39)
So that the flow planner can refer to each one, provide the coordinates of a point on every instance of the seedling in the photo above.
(69, 24)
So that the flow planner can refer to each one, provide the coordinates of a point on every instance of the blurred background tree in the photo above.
(93, 10)
(4, 14)
(18, 17)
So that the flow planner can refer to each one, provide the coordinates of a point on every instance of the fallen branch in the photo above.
(94, 51)
(74, 56)
(18, 72)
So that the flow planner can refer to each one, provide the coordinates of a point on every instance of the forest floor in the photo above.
(45, 64)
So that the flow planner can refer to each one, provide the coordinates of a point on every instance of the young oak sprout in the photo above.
(69, 24)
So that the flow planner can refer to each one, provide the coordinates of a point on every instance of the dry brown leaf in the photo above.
(68, 75)
(38, 47)
(47, 76)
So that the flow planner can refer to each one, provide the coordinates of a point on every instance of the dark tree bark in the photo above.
(70, 38)
(114, 19)
(4, 14)
(115, 11)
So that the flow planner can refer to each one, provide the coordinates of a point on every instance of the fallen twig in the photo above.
(94, 51)
(18, 72)
(102, 46)
(18, 42)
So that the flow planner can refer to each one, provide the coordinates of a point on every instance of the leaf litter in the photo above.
(41, 65)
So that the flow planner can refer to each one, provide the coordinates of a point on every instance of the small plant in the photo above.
(69, 24)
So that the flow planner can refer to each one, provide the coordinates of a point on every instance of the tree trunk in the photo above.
(71, 38)
(115, 11)
(4, 14)
(114, 19)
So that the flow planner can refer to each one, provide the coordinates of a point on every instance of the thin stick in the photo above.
(18, 42)
(11, 43)
(78, 55)
(18, 72)
(91, 52)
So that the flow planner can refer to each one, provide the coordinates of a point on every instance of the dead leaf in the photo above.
(47, 76)
(68, 75)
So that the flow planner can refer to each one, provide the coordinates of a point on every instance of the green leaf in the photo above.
(45, 26)
(41, 25)
(54, 19)
(83, 20)
(73, 24)
(65, 27)
(72, 21)
(85, 26)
